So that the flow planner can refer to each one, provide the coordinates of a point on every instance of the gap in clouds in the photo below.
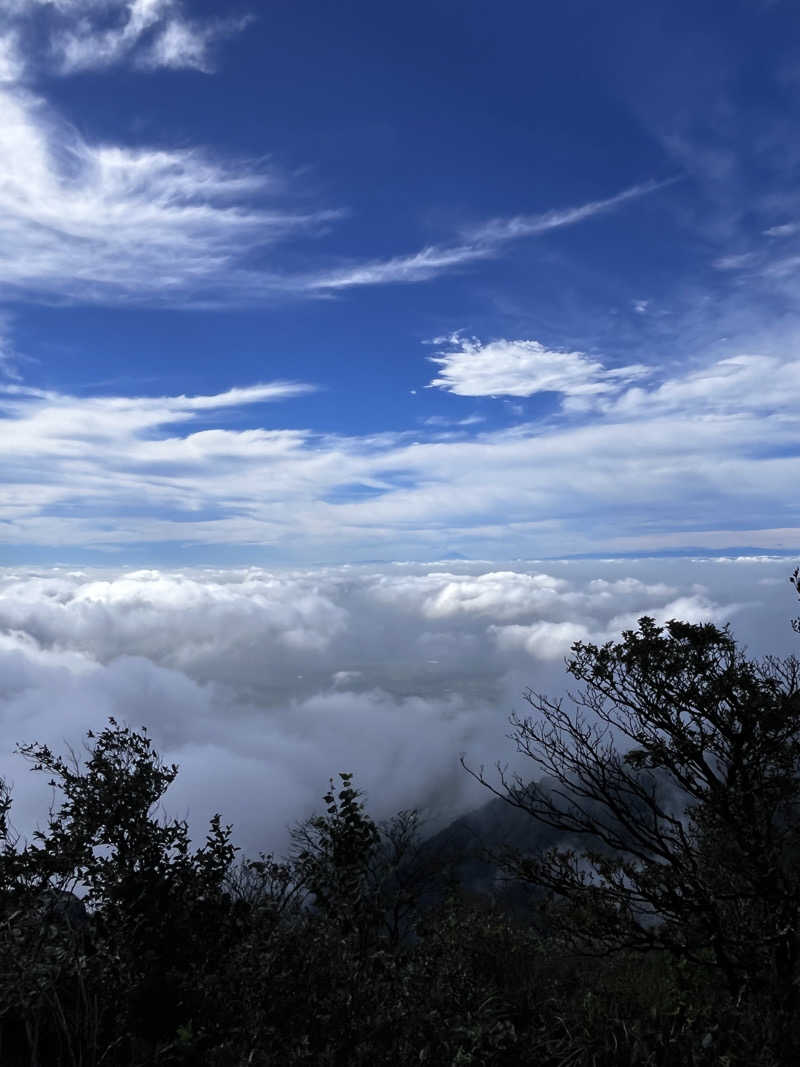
(262, 684)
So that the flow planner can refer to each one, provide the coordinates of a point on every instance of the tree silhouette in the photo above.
(677, 767)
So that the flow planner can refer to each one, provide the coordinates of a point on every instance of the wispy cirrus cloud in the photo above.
(500, 229)
(416, 267)
(10, 358)
(91, 223)
(481, 242)
(82, 222)
(751, 384)
(102, 223)
(81, 35)
(54, 420)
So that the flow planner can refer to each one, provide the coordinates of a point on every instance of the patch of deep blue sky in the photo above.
(418, 120)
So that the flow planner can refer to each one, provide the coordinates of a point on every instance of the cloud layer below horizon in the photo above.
(262, 685)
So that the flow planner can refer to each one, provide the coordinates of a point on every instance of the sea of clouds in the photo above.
(262, 684)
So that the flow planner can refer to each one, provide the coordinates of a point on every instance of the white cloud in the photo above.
(95, 34)
(787, 229)
(737, 384)
(417, 267)
(500, 594)
(446, 421)
(532, 225)
(481, 242)
(547, 640)
(523, 368)
(181, 44)
(735, 261)
(84, 222)
(55, 422)
(12, 63)
(10, 358)
(261, 684)
(101, 223)
(701, 459)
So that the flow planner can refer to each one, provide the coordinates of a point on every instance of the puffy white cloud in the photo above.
(500, 594)
(545, 640)
(693, 607)
(523, 368)
(262, 684)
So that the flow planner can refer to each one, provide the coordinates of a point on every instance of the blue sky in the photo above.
(301, 282)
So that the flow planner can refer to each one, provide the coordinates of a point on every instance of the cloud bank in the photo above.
(262, 684)
(702, 458)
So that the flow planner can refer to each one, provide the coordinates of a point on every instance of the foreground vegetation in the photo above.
(666, 934)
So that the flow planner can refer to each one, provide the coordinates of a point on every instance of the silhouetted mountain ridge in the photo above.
(470, 844)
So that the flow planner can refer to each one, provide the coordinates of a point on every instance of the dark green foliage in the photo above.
(333, 855)
(670, 938)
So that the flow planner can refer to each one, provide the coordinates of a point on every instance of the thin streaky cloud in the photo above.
(418, 267)
(58, 422)
(483, 242)
(510, 229)
(250, 394)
